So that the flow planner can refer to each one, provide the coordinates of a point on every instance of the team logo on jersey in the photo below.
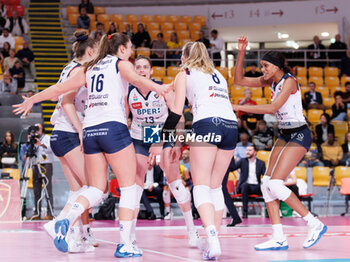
(300, 137)
(135, 98)
(157, 104)
(146, 103)
(137, 105)
(156, 96)
(151, 134)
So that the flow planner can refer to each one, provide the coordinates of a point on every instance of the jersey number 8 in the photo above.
(99, 83)
(216, 79)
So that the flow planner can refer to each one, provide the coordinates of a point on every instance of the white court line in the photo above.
(155, 252)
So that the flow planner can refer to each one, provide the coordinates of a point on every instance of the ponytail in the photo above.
(197, 57)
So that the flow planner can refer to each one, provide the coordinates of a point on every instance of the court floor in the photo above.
(167, 241)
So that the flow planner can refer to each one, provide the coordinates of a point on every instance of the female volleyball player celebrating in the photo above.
(106, 137)
(148, 108)
(290, 147)
(206, 90)
(66, 139)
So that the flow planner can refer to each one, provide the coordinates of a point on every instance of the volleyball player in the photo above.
(148, 108)
(294, 141)
(106, 138)
(206, 89)
(66, 142)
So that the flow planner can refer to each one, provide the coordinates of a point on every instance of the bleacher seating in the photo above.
(320, 176)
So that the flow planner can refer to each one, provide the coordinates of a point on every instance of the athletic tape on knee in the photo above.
(268, 197)
(181, 194)
(73, 195)
(278, 189)
(139, 191)
(128, 197)
(201, 195)
(217, 197)
(166, 197)
(93, 195)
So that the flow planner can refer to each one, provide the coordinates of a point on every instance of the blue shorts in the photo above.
(109, 137)
(62, 142)
(301, 136)
(221, 132)
(143, 148)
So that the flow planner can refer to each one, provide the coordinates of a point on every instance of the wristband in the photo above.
(169, 125)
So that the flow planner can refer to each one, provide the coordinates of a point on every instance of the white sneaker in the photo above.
(314, 234)
(90, 238)
(213, 250)
(79, 246)
(193, 239)
(50, 228)
(169, 216)
(272, 244)
(137, 251)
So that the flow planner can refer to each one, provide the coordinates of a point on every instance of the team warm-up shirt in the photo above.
(106, 93)
(290, 115)
(59, 118)
(208, 95)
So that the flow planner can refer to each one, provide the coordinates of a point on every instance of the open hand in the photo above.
(24, 108)
(242, 43)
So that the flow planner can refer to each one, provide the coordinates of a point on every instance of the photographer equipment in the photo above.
(330, 189)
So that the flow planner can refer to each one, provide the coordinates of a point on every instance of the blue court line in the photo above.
(315, 260)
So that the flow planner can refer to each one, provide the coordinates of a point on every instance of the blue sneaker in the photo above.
(314, 235)
(124, 251)
(272, 244)
(61, 229)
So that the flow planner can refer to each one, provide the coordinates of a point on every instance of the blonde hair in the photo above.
(197, 57)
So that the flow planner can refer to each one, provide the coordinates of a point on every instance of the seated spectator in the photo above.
(203, 39)
(7, 37)
(291, 183)
(345, 64)
(8, 151)
(99, 28)
(337, 54)
(247, 100)
(323, 129)
(17, 72)
(127, 31)
(312, 158)
(5, 52)
(313, 99)
(17, 25)
(10, 61)
(346, 95)
(83, 21)
(8, 84)
(112, 29)
(339, 109)
(253, 71)
(26, 56)
(188, 117)
(250, 122)
(141, 38)
(263, 137)
(159, 43)
(185, 160)
(241, 129)
(346, 149)
(332, 153)
(153, 187)
(87, 5)
(271, 122)
(241, 148)
(252, 169)
(174, 43)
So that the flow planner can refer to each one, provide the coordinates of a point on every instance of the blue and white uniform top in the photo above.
(208, 95)
(151, 109)
(59, 118)
(290, 115)
(106, 93)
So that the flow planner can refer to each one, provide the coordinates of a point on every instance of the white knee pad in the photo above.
(217, 197)
(201, 195)
(139, 191)
(181, 194)
(93, 195)
(268, 197)
(278, 189)
(166, 197)
(73, 195)
(128, 197)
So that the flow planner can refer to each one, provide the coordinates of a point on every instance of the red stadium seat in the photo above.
(19, 8)
(9, 11)
(14, 2)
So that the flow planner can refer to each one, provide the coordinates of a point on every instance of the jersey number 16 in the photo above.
(99, 83)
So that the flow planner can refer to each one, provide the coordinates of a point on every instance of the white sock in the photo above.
(211, 231)
(277, 231)
(310, 219)
(125, 229)
(167, 210)
(189, 220)
(133, 231)
(75, 212)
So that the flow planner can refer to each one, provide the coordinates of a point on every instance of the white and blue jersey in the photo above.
(151, 109)
(59, 118)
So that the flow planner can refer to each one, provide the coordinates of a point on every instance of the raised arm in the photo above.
(290, 86)
(239, 78)
(55, 90)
